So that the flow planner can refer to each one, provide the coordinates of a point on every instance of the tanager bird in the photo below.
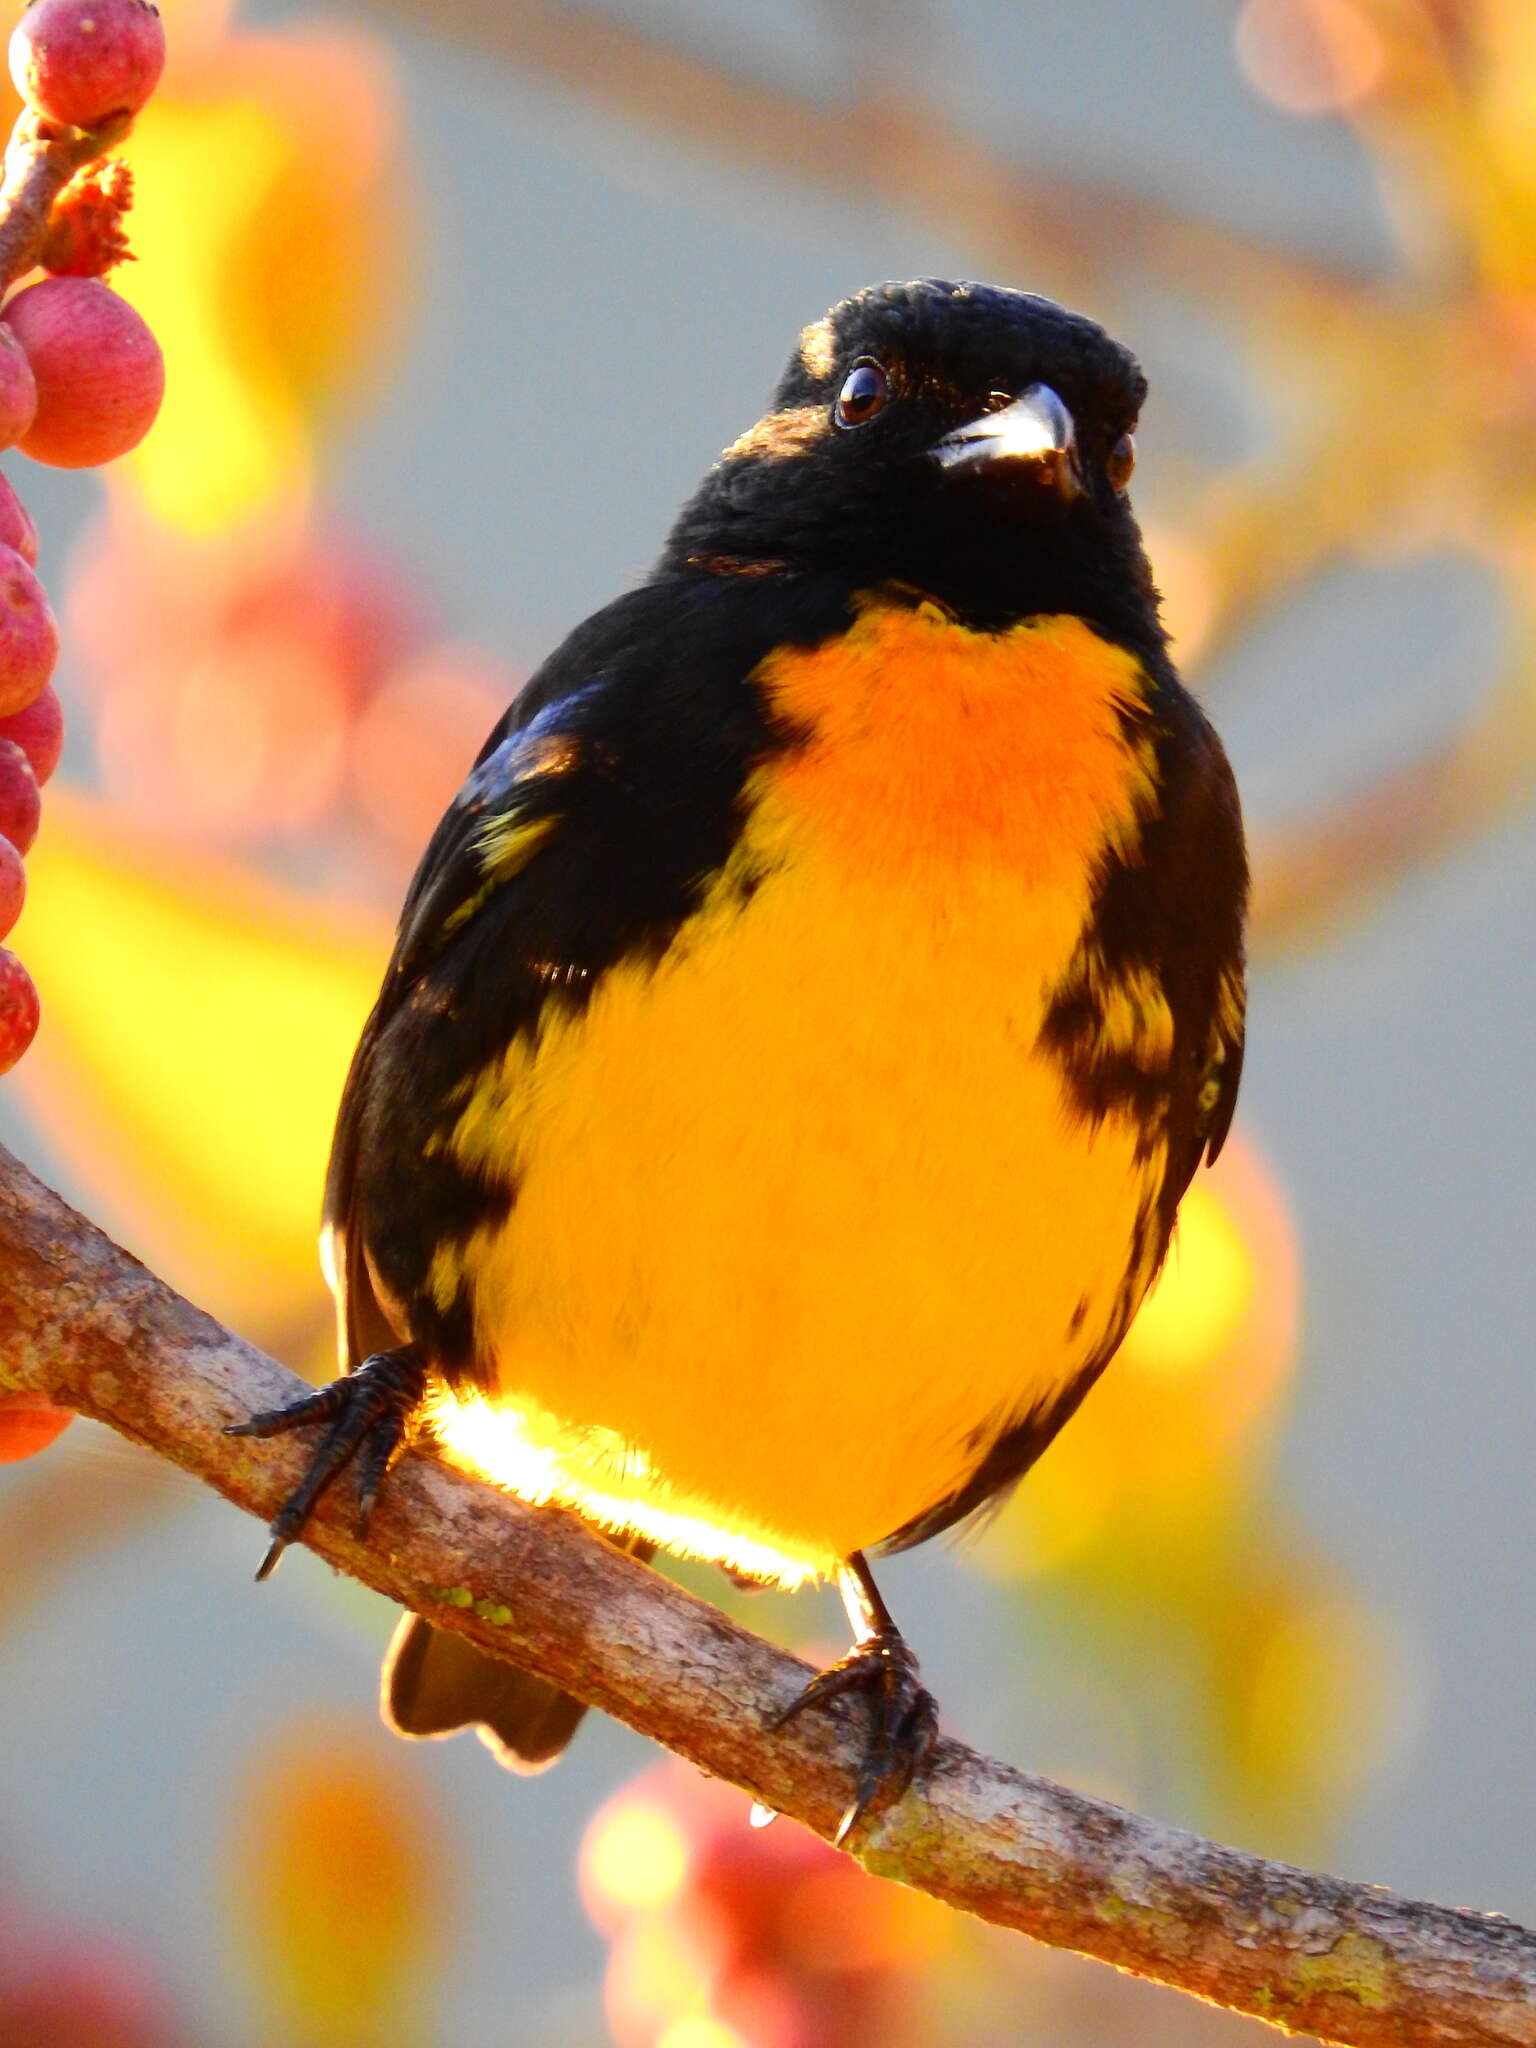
(807, 1017)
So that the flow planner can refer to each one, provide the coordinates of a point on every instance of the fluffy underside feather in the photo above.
(807, 1215)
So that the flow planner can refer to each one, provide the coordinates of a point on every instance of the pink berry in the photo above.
(82, 61)
(29, 634)
(21, 805)
(18, 389)
(18, 1010)
(29, 1424)
(16, 528)
(13, 885)
(100, 375)
(38, 729)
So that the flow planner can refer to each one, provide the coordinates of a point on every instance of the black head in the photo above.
(969, 442)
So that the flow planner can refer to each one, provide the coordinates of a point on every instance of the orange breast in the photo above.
(934, 746)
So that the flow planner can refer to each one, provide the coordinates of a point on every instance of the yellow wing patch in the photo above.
(504, 845)
(1135, 1019)
(506, 842)
(1231, 1007)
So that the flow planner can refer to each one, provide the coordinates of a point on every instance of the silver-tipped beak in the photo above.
(1035, 429)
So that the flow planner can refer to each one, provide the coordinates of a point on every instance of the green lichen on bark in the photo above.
(1355, 1967)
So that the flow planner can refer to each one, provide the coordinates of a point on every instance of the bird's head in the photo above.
(970, 442)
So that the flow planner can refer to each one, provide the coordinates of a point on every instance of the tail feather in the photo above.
(435, 1684)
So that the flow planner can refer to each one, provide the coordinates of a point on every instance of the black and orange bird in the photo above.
(806, 1019)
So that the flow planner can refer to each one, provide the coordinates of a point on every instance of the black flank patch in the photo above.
(1177, 913)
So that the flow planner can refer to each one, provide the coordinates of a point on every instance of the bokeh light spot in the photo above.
(1201, 1295)
(700, 2031)
(637, 1858)
(1309, 57)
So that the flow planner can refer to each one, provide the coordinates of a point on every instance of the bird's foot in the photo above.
(904, 1719)
(370, 1412)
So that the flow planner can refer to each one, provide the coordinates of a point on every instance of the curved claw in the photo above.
(370, 1411)
(904, 1718)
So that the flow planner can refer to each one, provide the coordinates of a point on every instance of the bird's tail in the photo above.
(435, 1683)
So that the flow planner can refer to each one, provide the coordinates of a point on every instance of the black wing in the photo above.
(585, 834)
(507, 805)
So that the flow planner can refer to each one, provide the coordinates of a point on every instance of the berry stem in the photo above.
(40, 159)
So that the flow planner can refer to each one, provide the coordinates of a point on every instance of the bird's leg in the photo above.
(370, 1411)
(903, 1717)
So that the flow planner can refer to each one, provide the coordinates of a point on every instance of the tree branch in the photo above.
(86, 1325)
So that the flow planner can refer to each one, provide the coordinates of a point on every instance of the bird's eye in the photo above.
(864, 392)
(1120, 463)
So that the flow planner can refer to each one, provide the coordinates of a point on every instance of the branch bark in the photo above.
(86, 1325)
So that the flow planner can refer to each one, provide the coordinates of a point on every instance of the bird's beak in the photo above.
(1036, 429)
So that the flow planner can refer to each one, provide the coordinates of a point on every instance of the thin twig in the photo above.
(86, 1325)
(40, 159)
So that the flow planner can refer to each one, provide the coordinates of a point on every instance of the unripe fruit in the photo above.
(18, 1010)
(21, 807)
(16, 528)
(13, 886)
(29, 1424)
(29, 634)
(100, 375)
(86, 235)
(18, 389)
(82, 61)
(39, 732)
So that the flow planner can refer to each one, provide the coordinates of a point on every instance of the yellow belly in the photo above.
(804, 1216)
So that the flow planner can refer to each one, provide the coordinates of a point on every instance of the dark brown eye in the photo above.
(1120, 463)
(864, 392)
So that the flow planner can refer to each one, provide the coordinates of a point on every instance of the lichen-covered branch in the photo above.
(86, 1325)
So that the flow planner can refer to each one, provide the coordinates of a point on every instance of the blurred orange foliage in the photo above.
(199, 1025)
(275, 287)
(340, 1888)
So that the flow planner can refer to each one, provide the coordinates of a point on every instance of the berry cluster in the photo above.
(81, 378)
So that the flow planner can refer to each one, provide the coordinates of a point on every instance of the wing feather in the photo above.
(507, 808)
